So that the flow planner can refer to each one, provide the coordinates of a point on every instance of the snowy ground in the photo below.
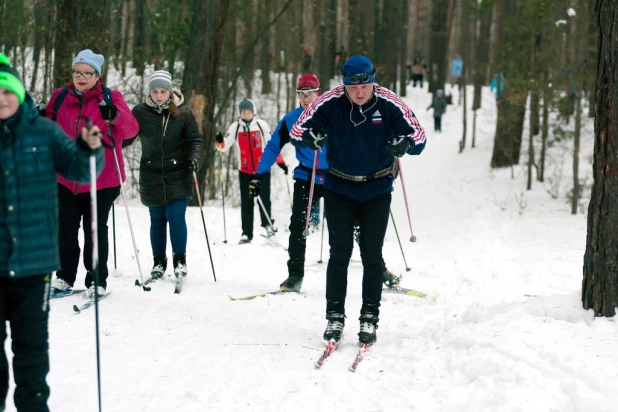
(506, 333)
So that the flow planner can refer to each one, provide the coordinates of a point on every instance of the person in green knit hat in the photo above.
(32, 150)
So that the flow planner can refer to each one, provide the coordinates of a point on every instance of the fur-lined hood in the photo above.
(178, 98)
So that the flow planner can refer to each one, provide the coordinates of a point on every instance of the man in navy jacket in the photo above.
(365, 126)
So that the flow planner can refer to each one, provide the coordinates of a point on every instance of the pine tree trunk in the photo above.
(439, 43)
(206, 40)
(600, 281)
(482, 52)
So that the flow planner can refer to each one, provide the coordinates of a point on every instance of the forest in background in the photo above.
(554, 58)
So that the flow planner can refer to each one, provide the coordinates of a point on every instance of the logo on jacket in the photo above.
(376, 117)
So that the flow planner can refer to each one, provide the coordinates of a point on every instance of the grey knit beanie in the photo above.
(160, 79)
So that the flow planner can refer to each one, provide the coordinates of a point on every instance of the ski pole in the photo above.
(322, 240)
(199, 202)
(114, 232)
(405, 198)
(126, 205)
(399, 240)
(287, 183)
(95, 256)
(273, 227)
(223, 197)
(315, 160)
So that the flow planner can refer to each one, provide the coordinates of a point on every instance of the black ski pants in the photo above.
(372, 215)
(74, 207)
(24, 303)
(247, 203)
(298, 242)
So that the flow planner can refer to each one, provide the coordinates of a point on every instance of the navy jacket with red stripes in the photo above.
(357, 137)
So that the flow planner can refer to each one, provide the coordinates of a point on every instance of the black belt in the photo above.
(371, 176)
(310, 170)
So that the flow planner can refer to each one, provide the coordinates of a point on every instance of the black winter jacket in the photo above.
(169, 143)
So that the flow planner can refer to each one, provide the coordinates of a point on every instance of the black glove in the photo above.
(283, 167)
(389, 279)
(398, 145)
(108, 112)
(195, 165)
(41, 108)
(219, 138)
(254, 187)
(314, 138)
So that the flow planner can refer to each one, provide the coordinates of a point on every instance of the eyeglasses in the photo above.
(358, 78)
(305, 94)
(85, 75)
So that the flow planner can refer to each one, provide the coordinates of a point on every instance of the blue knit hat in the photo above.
(91, 59)
(247, 104)
(358, 65)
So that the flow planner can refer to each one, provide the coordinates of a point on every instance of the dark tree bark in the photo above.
(361, 27)
(600, 282)
(513, 54)
(403, 47)
(206, 40)
(264, 17)
(482, 52)
(439, 43)
(64, 45)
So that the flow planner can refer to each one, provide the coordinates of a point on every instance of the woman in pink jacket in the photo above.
(87, 97)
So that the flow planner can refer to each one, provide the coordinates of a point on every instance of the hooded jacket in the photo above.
(70, 117)
(32, 150)
(169, 143)
(251, 142)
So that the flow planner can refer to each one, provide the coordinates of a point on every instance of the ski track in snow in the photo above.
(481, 346)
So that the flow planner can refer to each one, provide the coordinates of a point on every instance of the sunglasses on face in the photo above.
(305, 94)
(85, 75)
(358, 78)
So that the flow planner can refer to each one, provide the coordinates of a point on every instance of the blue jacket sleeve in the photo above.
(273, 148)
(316, 116)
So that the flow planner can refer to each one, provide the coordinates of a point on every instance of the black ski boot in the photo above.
(159, 267)
(180, 264)
(334, 329)
(367, 333)
(292, 284)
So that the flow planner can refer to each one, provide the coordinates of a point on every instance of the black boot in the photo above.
(292, 284)
(159, 267)
(367, 333)
(180, 264)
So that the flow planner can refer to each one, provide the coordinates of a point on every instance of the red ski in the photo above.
(331, 346)
(364, 348)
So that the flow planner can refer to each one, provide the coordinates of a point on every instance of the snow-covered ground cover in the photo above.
(505, 333)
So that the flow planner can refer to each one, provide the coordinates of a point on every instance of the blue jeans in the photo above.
(174, 213)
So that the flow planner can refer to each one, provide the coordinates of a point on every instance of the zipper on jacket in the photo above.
(163, 127)
(251, 147)
(79, 114)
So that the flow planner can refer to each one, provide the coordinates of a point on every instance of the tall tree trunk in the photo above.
(544, 131)
(361, 26)
(206, 40)
(600, 281)
(403, 47)
(439, 43)
(264, 17)
(482, 52)
(64, 45)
